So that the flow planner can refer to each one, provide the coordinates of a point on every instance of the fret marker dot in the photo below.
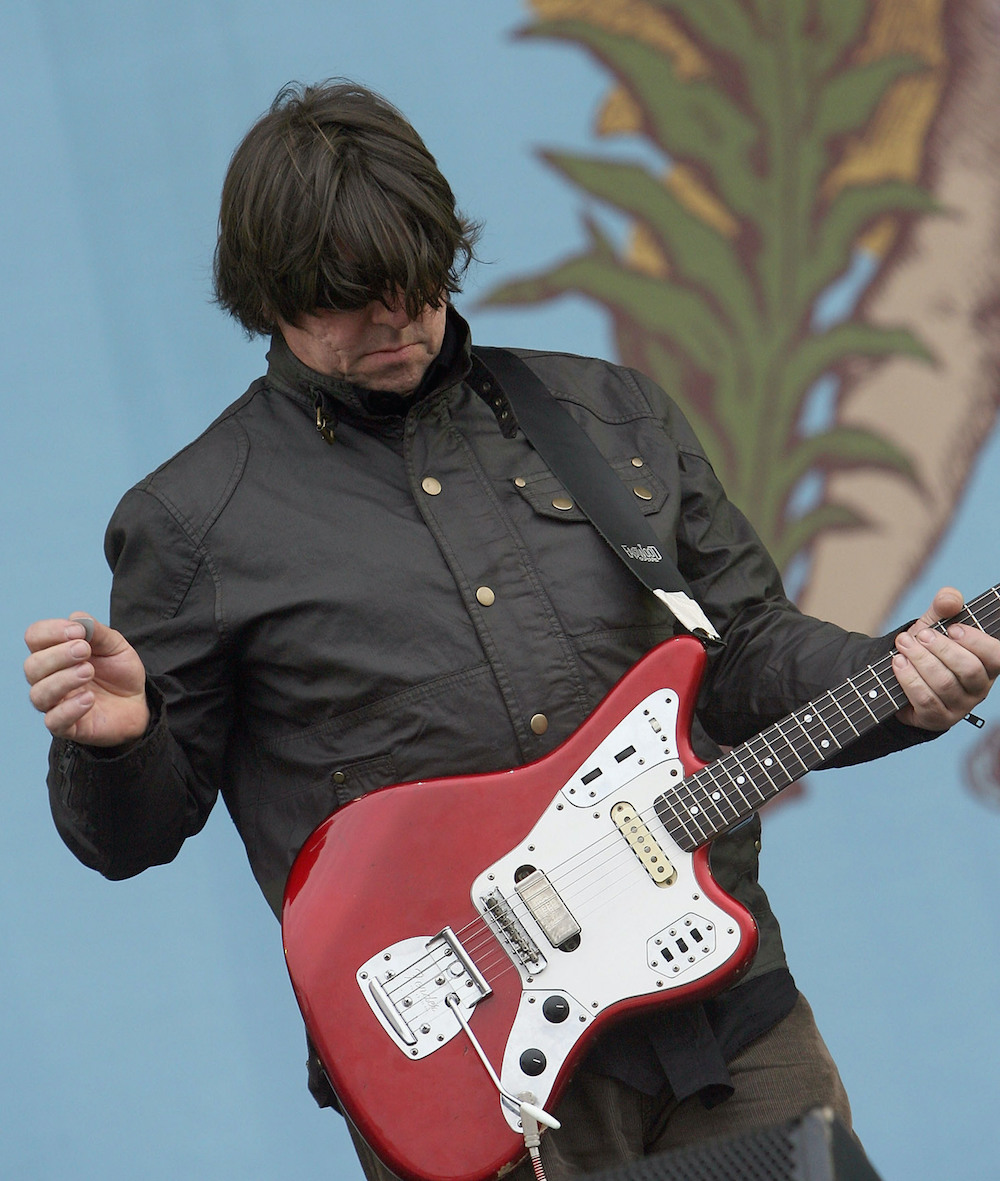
(768, 762)
(825, 742)
(872, 693)
(693, 809)
(716, 795)
(808, 718)
(740, 779)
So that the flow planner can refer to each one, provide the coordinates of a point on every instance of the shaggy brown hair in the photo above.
(333, 201)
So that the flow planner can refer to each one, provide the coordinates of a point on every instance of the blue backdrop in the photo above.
(147, 1028)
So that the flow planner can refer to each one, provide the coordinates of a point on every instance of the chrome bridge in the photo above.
(408, 986)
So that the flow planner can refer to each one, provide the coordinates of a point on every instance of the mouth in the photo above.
(394, 351)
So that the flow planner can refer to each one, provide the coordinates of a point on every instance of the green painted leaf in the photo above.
(848, 101)
(845, 447)
(691, 121)
(802, 532)
(841, 23)
(699, 253)
(852, 211)
(814, 355)
(718, 24)
(601, 245)
(722, 330)
(682, 317)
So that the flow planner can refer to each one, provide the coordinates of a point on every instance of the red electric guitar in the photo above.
(455, 944)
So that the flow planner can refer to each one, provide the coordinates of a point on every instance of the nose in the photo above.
(394, 313)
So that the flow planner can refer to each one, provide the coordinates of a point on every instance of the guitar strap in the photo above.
(586, 475)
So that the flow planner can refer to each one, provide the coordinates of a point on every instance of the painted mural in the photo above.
(810, 264)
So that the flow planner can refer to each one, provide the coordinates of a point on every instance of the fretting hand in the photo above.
(944, 676)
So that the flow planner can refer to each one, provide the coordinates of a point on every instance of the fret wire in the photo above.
(836, 735)
(736, 781)
(671, 800)
(876, 696)
(744, 778)
(812, 714)
(840, 702)
(728, 787)
(811, 735)
(808, 718)
(668, 802)
(892, 689)
(862, 699)
(687, 805)
(748, 745)
(803, 723)
(774, 786)
(777, 730)
(790, 740)
(712, 797)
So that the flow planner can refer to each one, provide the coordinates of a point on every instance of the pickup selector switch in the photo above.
(532, 1062)
(555, 1009)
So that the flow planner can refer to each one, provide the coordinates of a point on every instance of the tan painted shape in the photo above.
(947, 291)
(631, 18)
(892, 146)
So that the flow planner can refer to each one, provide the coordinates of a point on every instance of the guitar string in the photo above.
(598, 875)
(583, 905)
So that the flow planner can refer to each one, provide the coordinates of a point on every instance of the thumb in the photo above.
(947, 602)
(103, 640)
(87, 622)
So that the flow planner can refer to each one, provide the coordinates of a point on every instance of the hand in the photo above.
(944, 676)
(92, 692)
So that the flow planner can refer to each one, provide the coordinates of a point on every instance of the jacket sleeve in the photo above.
(775, 658)
(124, 809)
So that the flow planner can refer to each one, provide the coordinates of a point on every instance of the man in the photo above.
(361, 574)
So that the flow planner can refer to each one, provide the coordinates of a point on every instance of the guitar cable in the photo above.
(532, 1139)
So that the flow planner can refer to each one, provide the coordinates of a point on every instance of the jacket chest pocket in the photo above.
(549, 497)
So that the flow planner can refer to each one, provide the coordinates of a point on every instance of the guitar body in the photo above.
(545, 903)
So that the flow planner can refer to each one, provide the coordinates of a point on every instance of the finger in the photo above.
(945, 663)
(46, 632)
(984, 647)
(44, 663)
(953, 674)
(947, 602)
(942, 679)
(924, 708)
(61, 721)
(48, 692)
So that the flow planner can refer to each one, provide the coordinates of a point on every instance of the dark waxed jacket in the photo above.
(309, 618)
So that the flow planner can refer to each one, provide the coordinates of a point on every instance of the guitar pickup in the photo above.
(548, 909)
(643, 844)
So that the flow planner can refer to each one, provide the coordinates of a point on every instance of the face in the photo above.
(376, 347)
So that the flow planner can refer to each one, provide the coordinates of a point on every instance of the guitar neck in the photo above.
(726, 792)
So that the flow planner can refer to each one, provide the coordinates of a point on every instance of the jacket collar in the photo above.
(343, 399)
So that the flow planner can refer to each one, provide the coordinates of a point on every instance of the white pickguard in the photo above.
(635, 935)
